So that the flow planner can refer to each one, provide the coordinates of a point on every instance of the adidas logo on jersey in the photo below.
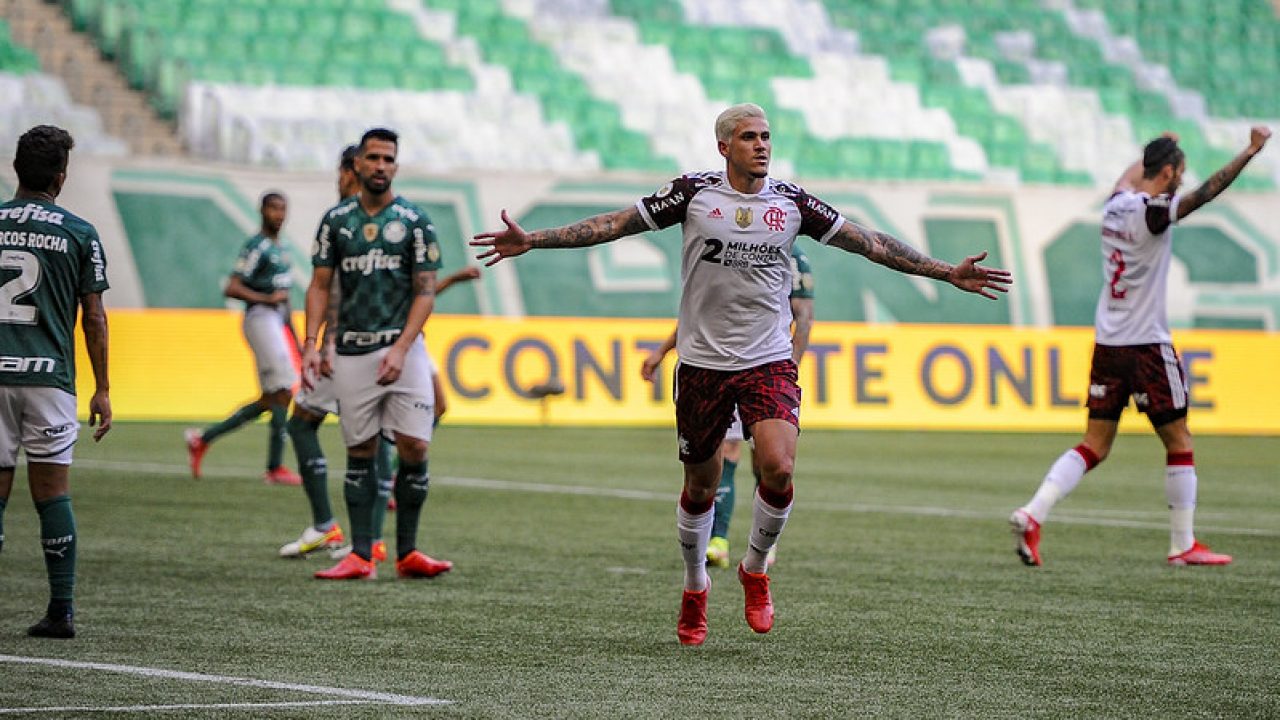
(715, 214)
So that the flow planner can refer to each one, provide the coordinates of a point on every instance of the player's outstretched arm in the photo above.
(93, 320)
(466, 274)
(514, 240)
(649, 366)
(1214, 186)
(887, 250)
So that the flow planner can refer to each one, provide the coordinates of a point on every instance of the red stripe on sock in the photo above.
(780, 500)
(1180, 458)
(695, 508)
(1090, 457)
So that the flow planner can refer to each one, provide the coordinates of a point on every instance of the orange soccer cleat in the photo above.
(759, 604)
(379, 551)
(1199, 555)
(417, 565)
(281, 475)
(196, 448)
(691, 628)
(1027, 533)
(351, 567)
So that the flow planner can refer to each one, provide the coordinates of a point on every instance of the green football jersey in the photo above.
(801, 274)
(49, 258)
(263, 265)
(374, 259)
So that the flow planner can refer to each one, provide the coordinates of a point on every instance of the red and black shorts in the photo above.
(1151, 374)
(705, 400)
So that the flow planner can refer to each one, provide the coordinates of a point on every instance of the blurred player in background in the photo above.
(383, 251)
(1133, 354)
(739, 226)
(801, 300)
(311, 405)
(262, 279)
(55, 260)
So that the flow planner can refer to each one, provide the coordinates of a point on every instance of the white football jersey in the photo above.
(736, 264)
(1137, 244)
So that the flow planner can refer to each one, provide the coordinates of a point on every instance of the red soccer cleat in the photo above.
(351, 567)
(759, 604)
(281, 475)
(692, 625)
(379, 551)
(196, 448)
(417, 565)
(1027, 533)
(1199, 555)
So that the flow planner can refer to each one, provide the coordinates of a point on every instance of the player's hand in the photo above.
(972, 277)
(502, 243)
(466, 274)
(391, 366)
(649, 366)
(326, 359)
(100, 414)
(279, 296)
(310, 366)
(1258, 137)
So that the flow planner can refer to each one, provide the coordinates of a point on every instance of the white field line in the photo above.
(367, 696)
(1100, 518)
(166, 708)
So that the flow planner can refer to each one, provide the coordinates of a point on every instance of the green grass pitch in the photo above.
(898, 593)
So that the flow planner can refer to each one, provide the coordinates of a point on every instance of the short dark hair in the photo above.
(380, 133)
(1158, 153)
(270, 195)
(42, 154)
(347, 161)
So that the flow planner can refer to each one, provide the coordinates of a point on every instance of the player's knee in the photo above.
(412, 450)
(776, 471)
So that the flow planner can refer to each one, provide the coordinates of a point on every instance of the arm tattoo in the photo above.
(424, 283)
(887, 250)
(1213, 186)
(592, 231)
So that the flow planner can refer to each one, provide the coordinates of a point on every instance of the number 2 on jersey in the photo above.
(1118, 290)
(28, 268)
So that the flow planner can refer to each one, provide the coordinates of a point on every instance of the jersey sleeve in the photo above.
(818, 220)
(323, 246)
(670, 204)
(426, 248)
(93, 266)
(248, 260)
(801, 275)
(1161, 213)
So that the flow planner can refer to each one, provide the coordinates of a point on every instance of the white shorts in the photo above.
(41, 421)
(321, 399)
(735, 430)
(264, 330)
(406, 406)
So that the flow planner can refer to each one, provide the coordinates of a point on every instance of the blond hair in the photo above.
(728, 120)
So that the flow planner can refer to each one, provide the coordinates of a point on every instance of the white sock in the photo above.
(694, 532)
(767, 522)
(1062, 478)
(1180, 491)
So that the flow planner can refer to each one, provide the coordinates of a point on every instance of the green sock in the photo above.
(248, 413)
(361, 492)
(724, 500)
(275, 441)
(313, 467)
(412, 480)
(3, 503)
(58, 537)
(386, 479)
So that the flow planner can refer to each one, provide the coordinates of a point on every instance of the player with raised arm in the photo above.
(739, 225)
(801, 301)
(51, 264)
(384, 253)
(1133, 353)
(261, 279)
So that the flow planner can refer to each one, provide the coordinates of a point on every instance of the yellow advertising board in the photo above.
(195, 365)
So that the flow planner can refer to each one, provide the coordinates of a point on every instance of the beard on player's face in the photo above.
(376, 184)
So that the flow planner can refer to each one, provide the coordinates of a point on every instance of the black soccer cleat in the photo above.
(62, 627)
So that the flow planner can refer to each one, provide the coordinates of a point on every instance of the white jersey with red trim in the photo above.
(736, 264)
(1137, 244)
